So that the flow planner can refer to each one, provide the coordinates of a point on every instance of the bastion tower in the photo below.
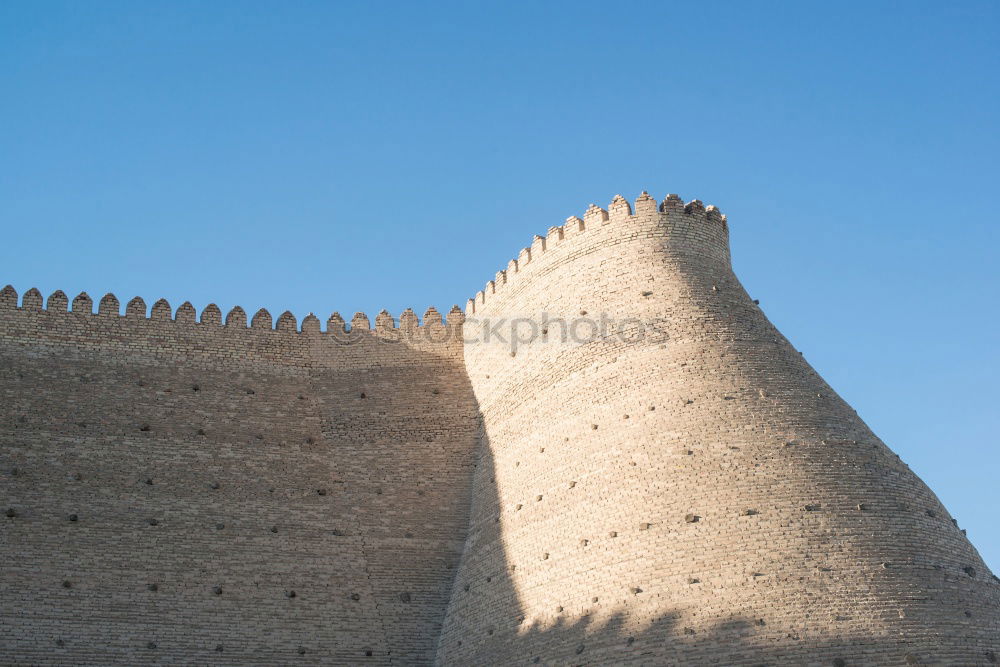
(611, 457)
(682, 487)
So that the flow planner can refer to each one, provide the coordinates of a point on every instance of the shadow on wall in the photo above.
(489, 625)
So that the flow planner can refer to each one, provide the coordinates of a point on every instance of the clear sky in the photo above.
(319, 156)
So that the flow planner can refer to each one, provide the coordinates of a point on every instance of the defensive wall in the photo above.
(188, 491)
(680, 486)
(611, 457)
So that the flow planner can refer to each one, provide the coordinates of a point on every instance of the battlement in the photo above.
(675, 217)
(211, 316)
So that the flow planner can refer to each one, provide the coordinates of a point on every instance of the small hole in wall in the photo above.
(67, 584)
(363, 395)
(195, 387)
(217, 590)
(219, 648)
(144, 428)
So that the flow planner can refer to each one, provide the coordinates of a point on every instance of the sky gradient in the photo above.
(320, 156)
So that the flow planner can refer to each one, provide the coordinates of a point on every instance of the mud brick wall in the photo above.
(685, 489)
(616, 459)
(191, 493)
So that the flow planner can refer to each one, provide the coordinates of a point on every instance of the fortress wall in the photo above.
(692, 495)
(265, 473)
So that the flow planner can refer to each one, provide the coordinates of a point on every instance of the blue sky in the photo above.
(319, 156)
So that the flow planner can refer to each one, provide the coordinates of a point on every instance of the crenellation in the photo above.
(619, 209)
(645, 204)
(236, 318)
(32, 300)
(286, 322)
(311, 325)
(109, 305)
(359, 322)
(408, 320)
(211, 316)
(432, 318)
(161, 311)
(594, 216)
(8, 297)
(186, 314)
(136, 308)
(261, 320)
(57, 302)
(672, 202)
(384, 322)
(682, 488)
(335, 324)
(83, 304)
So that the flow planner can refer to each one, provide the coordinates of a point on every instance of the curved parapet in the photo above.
(665, 480)
(685, 229)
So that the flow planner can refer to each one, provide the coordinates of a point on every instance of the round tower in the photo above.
(663, 479)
